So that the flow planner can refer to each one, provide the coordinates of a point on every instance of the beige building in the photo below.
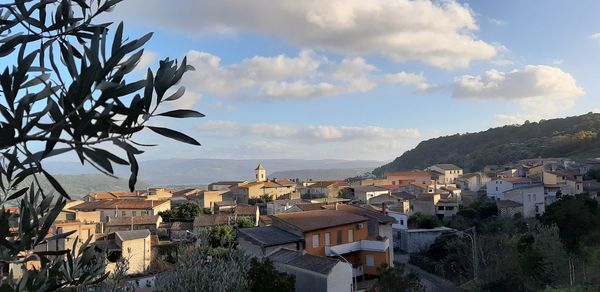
(122, 208)
(446, 173)
(135, 246)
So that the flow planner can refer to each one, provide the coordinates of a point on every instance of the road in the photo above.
(430, 281)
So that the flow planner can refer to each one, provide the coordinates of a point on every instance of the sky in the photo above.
(364, 80)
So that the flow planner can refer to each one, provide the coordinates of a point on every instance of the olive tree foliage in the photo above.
(69, 90)
(203, 267)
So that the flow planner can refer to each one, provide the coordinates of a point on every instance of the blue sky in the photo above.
(365, 79)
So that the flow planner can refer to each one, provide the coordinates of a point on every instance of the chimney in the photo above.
(383, 208)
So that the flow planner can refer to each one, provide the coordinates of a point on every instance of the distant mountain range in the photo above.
(574, 137)
(203, 171)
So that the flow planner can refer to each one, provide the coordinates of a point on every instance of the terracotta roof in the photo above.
(265, 219)
(407, 173)
(246, 210)
(380, 217)
(310, 206)
(133, 234)
(213, 220)
(319, 219)
(268, 236)
(318, 264)
(369, 189)
(119, 204)
(135, 220)
(285, 182)
(327, 184)
(186, 192)
(117, 194)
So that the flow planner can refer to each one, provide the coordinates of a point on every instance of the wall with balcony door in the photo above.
(315, 241)
(372, 260)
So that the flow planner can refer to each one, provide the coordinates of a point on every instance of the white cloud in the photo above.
(146, 60)
(323, 141)
(306, 75)
(595, 36)
(439, 33)
(404, 78)
(531, 81)
(308, 134)
(539, 91)
(497, 22)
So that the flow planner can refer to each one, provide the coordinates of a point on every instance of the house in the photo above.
(401, 178)
(260, 242)
(207, 199)
(441, 205)
(392, 201)
(82, 232)
(314, 273)
(223, 185)
(531, 197)
(338, 233)
(574, 180)
(97, 196)
(254, 190)
(414, 189)
(133, 245)
(211, 220)
(446, 173)
(592, 187)
(281, 206)
(496, 187)
(305, 207)
(372, 182)
(176, 231)
(183, 196)
(418, 240)
(324, 189)
(148, 222)
(378, 226)
(508, 208)
(472, 181)
(447, 207)
(159, 194)
(122, 208)
(366, 193)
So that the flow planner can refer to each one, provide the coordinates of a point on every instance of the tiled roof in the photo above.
(407, 173)
(268, 236)
(213, 220)
(318, 264)
(447, 166)
(404, 195)
(330, 183)
(135, 220)
(310, 206)
(117, 194)
(356, 210)
(265, 219)
(319, 219)
(246, 210)
(369, 189)
(518, 180)
(186, 192)
(133, 234)
(285, 182)
(119, 204)
(507, 204)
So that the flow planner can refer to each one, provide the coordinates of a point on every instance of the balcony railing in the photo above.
(361, 245)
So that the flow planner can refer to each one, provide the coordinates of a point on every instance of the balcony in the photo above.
(362, 245)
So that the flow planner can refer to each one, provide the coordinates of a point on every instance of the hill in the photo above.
(78, 186)
(204, 171)
(575, 137)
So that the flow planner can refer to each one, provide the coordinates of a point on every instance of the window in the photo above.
(370, 261)
(440, 207)
(123, 213)
(350, 235)
(449, 208)
(339, 237)
(315, 241)
(327, 239)
(496, 189)
(144, 212)
(133, 213)
(401, 221)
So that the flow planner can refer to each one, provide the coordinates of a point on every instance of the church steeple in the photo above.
(261, 173)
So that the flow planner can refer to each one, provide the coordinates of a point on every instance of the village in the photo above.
(331, 235)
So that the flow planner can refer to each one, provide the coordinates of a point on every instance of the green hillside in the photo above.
(575, 137)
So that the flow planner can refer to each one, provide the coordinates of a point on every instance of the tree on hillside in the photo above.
(69, 89)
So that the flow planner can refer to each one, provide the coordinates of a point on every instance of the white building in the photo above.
(531, 197)
(366, 193)
(496, 188)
